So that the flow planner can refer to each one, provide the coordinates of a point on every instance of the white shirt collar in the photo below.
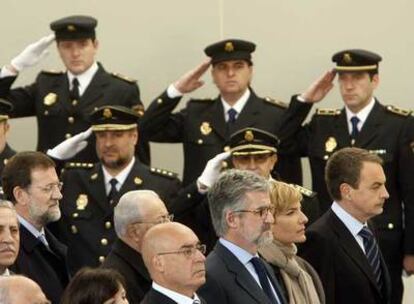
(32, 229)
(121, 177)
(242, 255)
(353, 225)
(362, 115)
(84, 78)
(6, 273)
(238, 106)
(175, 296)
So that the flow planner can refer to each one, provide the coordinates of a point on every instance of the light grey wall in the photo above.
(156, 41)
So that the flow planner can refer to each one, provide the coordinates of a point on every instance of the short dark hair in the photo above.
(345, 166)
(18, 171)
(92, 286)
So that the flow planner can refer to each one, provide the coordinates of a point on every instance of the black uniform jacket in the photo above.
(155, 297)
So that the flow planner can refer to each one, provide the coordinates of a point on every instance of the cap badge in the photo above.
(347, 58)
(107, 113)
(229, 47)
(205, 128)
(81, 202)
(71, 28)
(50, 99)
(137, 181)
(330, 144)
(249, 135)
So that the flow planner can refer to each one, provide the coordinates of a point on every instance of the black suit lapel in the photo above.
(216, 116)
(242, 276)
(341, 131)
(95, 88)
(371, 126)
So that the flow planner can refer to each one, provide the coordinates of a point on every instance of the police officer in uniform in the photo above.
(250, 149)
(62, 101)
(5, 150)
(205, 125)
(366, 123)
(91, 191)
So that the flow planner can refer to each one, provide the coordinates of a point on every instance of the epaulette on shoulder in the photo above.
(124, 78)
(163, 172)
(202, 100)
(398, 111)
(304, 191)
(328, 112)
(52, 72)
(73, 165)
(276, 102)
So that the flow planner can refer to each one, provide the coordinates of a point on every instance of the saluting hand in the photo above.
(71, 146)
(320, 88)
(190, 81)
(212, 171)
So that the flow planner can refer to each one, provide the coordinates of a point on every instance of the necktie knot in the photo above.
(366, 233)
(232, 115)
(113, 182)
(42, 238)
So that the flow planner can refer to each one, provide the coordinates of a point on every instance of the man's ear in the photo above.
(346, 191)
(20, 195)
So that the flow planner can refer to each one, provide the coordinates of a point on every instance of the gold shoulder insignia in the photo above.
(122, 77)
(72, 165)
(276, 102)
(53, 72)
(163, 172)
(139, 109)
(397, 110)
(304, 191)
(328, 112)
(206, 99)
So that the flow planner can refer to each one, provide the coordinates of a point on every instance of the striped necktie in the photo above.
(372, 253)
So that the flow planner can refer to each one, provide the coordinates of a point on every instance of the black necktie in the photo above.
(74, 93)
(373, 254)
(264, 280)
(354, 131)
(232, 113)
(113, 192)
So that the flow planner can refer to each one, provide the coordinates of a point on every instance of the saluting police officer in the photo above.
(205, 125)
(250, 149)
(62, 100)
(91, 191)
(5, 150)
(381, 129)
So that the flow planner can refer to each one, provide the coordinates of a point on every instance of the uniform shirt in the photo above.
(177, 297)
(84, 79)
(6, 273)
(362, 115)
(121, 177)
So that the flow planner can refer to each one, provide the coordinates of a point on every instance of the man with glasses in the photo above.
(30, 182)
(91, 191)
(136, 212)
(241, 212)
(175, 260)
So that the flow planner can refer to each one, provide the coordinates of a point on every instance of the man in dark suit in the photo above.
(340, 245)
(31, 183)
(175, 259)
(205, 125)
(241, 212)
(136, 212)
(62, 101)
(91, 191)
(384, 130)
(9, 237)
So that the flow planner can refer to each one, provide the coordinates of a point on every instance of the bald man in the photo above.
(175, 260)
(18, 289)
(136, 212)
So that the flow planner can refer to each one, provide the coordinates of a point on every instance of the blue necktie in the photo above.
(354, 131)
(373, 254)
(264, 280)
(232, 115)
(113, 192)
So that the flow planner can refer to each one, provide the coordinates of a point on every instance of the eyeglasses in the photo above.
(188, 252)
(48, 189)
(262, 212)
(162, 219)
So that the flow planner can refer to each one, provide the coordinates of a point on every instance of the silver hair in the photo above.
(127, 210)
(229, 194)
(7, 204)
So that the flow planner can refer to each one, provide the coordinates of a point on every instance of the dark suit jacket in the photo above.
(48, 99)
(342, 266)
(202, 129)
(155, 297)
(87, 217)
(131, 265)
(4, 157)
(228, 281)
(45, 266)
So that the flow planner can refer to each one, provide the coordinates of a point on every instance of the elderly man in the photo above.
(175, 259)
(18, 289)
(340, 245)
(205, 125)
(91, 191)
(136, 212)
(241, 212)
(62, 100)
(31, 183)
(9, 237)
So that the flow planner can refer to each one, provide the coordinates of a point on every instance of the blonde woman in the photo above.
(300, 281)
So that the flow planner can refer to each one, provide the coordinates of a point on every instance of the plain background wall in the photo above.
(157, 41)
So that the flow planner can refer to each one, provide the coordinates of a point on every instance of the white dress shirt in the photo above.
(84, 79)
(362, 115)
(175, 296)
(121, 177)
